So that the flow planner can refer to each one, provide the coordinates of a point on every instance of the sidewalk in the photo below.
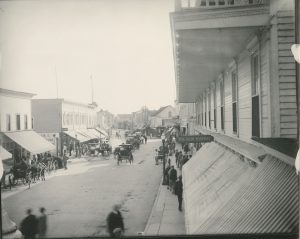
(165, 218)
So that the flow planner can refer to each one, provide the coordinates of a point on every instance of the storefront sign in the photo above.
(195, 139)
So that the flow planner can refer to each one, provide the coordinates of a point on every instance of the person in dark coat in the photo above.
(29, 225)
(179, 191)
(115, 224)
(42, 223)
(172, 178)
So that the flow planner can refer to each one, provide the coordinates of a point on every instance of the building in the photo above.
(233, 62)
(16, 127)
(105, 120)
(163, 117)
(141, 118)
(65, 122)
(123, 121)
(187, 116)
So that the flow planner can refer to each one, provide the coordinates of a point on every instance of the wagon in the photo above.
(124, 152)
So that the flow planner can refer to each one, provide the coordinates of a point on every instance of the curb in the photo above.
(154, 206)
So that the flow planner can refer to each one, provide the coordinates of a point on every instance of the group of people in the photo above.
(33, 226)
(181, 158)
(174, 183)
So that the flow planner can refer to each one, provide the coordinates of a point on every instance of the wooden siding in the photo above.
(287, 75)
(228, 105)
(244, 101)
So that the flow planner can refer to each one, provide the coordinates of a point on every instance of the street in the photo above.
(78, 200)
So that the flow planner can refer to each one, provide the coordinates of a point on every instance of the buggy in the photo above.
(124, 152)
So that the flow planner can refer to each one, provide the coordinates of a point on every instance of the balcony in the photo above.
(212, 4)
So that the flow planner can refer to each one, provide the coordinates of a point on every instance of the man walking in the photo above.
(115, 224)
(179, 191)
(172, 178)
(42, 223)
(29, 225)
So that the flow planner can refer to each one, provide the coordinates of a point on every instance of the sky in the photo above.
(122, 49)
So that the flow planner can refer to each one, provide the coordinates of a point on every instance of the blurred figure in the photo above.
(42, 223)
(29, 225)
(115, 224)
(179, 191)
(172, 178)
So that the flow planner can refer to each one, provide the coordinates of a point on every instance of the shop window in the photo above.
(8, 122)
(25, 122)
(255, 95)
(234, 101)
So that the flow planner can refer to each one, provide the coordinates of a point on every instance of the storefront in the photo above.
(25, 143)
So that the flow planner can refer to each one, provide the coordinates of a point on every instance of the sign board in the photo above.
(195, 139)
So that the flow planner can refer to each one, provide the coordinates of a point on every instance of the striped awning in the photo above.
(225, 194)
(31, 141)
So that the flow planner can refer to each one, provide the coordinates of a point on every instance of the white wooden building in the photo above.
(233, 62)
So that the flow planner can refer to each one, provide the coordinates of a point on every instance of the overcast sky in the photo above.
(125, 45)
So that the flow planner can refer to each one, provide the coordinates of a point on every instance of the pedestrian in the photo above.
(42, 223)
(176, 157)
(166, 175)
(65, 161)
(156, 157)
(179, 191)
(145, 139)
(29, 225)
(115, 224)
(169, 161)
(172, 178)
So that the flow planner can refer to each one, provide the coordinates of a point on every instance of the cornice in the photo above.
(204, 14)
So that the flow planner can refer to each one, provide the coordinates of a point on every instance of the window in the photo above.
(18, 122)
(215, 107)
(234, 101)
(169, 114)
(32, 123)
(8, 126)
(209, 109)
(25, 122)
(222, 103)
(255, 95)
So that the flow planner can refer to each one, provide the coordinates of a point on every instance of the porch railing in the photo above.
(207, 4)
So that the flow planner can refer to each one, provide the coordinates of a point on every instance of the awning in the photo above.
(102, 131)
(224, 194)
(31, 141)
(6, 158)
(77, 136)
(96, 133)
(4, 154)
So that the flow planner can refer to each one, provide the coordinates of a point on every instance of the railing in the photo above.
(198, 4)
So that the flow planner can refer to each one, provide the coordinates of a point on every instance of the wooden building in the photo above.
(233, 62)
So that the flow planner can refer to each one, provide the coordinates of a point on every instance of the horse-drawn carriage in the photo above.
(20, 173)
(124, 152)
(134, 141)
(104, 149)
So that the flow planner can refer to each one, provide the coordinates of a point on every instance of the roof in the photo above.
(16, 93)
(160, 110)
(225, 194)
